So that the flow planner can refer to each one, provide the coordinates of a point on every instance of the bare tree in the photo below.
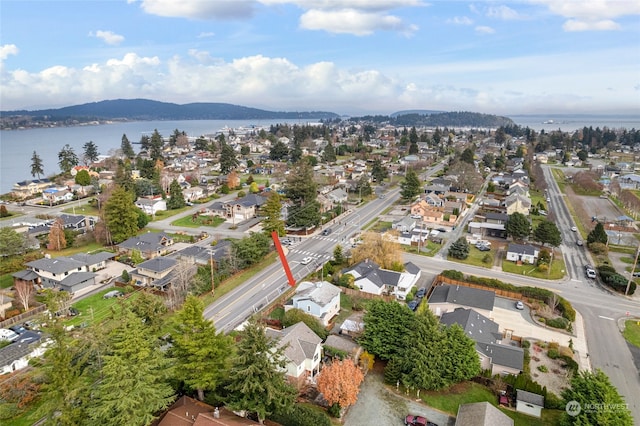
(383, 249)
(181, 280)
(553, 301)
(24, 290)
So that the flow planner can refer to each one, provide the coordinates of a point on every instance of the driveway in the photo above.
(379, 406)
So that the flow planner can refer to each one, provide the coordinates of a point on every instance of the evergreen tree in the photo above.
(121, 215)
(83, 178)
(176, 201)
(37, 168)
(597, 235)
(413, 148)
(517, 226)
(156, 146)
(134, 385)
(279, 151)
(467, 156)
(295, 155)
(127, 148)
(123, 177)
(272, 212)
(202, 355)
(12, 242)
(363, 187)
(378, 171)
(547, 233)
(411, 186)
(90, 153)
(228, 160)
(257, 380)
(593, 400)
(301, 189)
(329, 154)
(386, 325)
(459, 248)
(67, 159)
(459, 355)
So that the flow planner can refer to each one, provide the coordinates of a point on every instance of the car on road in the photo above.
(548, 199)
(589, 271)
(579, 242)
(413, 420)
(327, 231)
(286, 242)
(307, 260)
(635, 274)
(574, 229)
(112, 294)
(421, 292)
(519, 305)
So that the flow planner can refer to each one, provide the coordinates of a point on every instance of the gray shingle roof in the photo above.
(530, 397)
(20, 348)
(508, 356)
(92, 259)
(158, 264)
(521, 249)
(299, 341)
(481, 414)
(320, 293)
(465, 296)
(475, 325)
(56, 265)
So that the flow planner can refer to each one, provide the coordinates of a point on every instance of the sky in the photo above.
(351, 57)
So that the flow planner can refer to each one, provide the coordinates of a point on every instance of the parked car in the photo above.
(589, 271)
(413, 305)
(421, 292)
(413, 420)
(18, 329)
(112, 294)
(9, 335)
(483, 247)
(519, 305)
(579, 242)
(306, 260)
(636, 274)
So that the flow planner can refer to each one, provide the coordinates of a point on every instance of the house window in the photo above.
(308, 308)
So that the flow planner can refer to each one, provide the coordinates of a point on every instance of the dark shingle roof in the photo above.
(465, 296)
(481, 414)
(521, 249)
(158, 264)
(509, 356)
(57, 265)
(531, 398)
(475, 325)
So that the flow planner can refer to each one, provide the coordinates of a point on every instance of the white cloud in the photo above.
(351, 21)
(206, 35)
(483, 29)
(371, 5)
(8, 49)
(591, 15)
(503, 12)
(200, 9)
(573, 25)
(108, 37)
(460, 20)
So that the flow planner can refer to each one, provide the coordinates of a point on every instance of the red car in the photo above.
(412, 420)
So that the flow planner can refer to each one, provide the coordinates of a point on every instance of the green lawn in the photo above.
(632, 332)
(85, 209)
(11, 215)
(476, 257)
(87, 248)
(557, 269)
(94, 309)
(450, 399)
(6, 281)
(200, 220)
(429, 250)
(168, 213)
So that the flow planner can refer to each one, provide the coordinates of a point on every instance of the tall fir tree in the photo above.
(176, 201)
(257, 380)
(121, 215)
(37, 167)
(127, 148)
(67, 159)
(272, 212)
(91, 153)
(410, 186)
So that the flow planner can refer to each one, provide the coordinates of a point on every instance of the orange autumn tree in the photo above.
(340, 382)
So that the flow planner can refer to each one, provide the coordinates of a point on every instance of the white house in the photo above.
(320, 299)
(370, 278)
(303, 349)
(529, 403)
(151, 206)
(16, 356)
(525, 253)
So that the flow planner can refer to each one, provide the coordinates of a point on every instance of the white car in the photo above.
(519, 305)
(574, 229)
(306, 260)
(8, 335)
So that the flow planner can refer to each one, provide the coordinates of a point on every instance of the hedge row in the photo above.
(537, 293)
(300, 415)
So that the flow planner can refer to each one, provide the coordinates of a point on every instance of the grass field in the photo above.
(476, 257)
(632, 332)
(211, 221)
(450, 399)
(6, 281)
(557, 269)
(84, 209)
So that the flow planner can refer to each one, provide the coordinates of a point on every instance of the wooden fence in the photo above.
(23, 316)
(364, 295)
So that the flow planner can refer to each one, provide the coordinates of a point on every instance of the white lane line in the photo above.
(607, 318)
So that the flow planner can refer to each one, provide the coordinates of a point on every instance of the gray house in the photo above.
(446, 298)
(320, 299)
(481, 414)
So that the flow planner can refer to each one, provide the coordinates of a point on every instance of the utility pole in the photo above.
(635, 263)
(213, 287)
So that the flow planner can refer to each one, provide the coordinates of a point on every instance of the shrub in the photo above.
(454, 275)
(334, 410)
(543, 368)
(526, 344)
(300, 415)
(553, 353)
(557, 322)
(554, 345)
(487, 259)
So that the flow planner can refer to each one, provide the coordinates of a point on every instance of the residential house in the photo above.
(481, 414)
(524, 253)
(154, 272)
(487, 229)
(244, 208)
(433, 200)
(151, 206)
(77, 223)
(29, 188)
(187, 411)
(406, 224)
(16, 355)
(303, 349)
(494, 356)
(496, 217)
(193, 193)
(517, 203)
(320, 299)
(64, 273)
(338, 196)
(436, 190)
(149, 245)
(370, 278)
(446, 298)
(57, 195)
(529, 403)
(352, 327)
(202, 255)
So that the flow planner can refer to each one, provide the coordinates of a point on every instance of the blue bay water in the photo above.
(17, 146)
